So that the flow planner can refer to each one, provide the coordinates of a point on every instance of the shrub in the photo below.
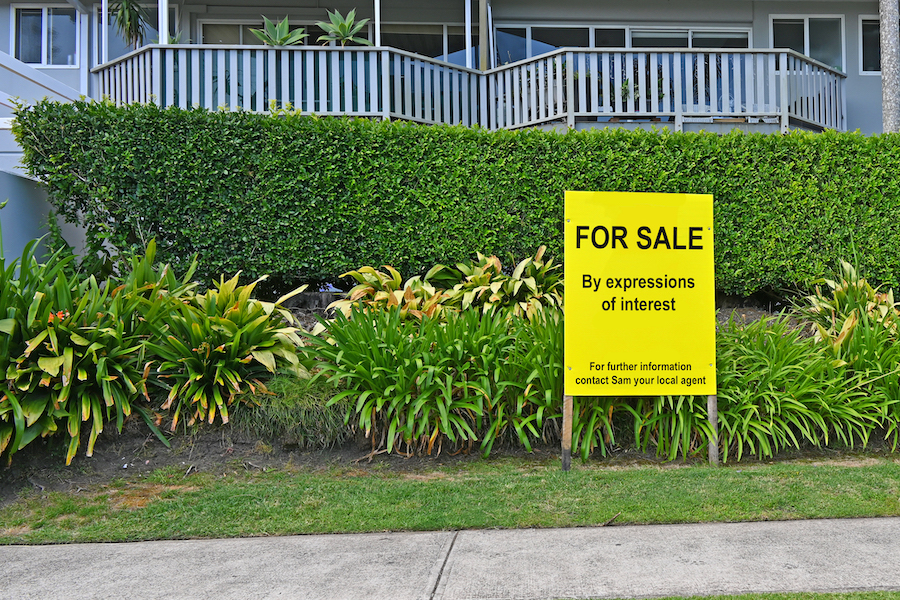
(778, 390)
(73, 349)
(217, 345)
(306, 198)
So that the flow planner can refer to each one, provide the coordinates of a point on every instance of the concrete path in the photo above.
(600, 562)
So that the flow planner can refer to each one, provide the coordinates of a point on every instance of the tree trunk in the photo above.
(890, 65)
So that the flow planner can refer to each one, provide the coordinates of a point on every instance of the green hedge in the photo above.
(306, 199)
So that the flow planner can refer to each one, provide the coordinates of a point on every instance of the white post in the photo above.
(378, 22)
(163, 22)
(104, 31)
(483, 35)
(468, 33)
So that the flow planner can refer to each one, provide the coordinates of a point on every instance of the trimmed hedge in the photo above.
(306, 199)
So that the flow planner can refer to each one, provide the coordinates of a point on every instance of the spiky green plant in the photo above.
(342, 29)
(215, 347)
(280, 34)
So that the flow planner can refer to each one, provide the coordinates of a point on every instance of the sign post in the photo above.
(640, 296)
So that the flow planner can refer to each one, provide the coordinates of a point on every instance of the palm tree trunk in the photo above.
(890, 65)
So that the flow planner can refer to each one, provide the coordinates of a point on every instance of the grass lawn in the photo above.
(485, 493)
(800, 596)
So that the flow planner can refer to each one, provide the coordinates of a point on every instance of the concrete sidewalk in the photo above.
(600, 562)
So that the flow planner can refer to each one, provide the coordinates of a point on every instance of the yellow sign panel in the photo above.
(640, 294)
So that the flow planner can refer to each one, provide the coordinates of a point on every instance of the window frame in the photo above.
(45, 52)
(806, 17)
(629, 29)
(862, 18)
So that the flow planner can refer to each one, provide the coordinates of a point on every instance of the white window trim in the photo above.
(96, 26)
(44, 52)
(806, 18)
(860, 35)
(592, 39)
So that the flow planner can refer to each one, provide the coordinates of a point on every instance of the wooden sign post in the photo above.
(640, 298)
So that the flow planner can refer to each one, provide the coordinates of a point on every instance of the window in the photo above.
(870, 41)
(820, 37)
(659, 39)
(609, 38)
(720, 39)
(46, 36)
(118, 46)
(523, 41)
(443, 42)
(512, 44)
(232, 33)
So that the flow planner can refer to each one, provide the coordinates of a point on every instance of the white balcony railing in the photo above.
(567, 86)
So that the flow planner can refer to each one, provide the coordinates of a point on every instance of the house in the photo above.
(684, 64)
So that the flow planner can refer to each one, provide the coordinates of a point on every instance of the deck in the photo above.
(570, 87)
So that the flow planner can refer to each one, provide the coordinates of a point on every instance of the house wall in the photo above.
(24, 218)
(864, 91)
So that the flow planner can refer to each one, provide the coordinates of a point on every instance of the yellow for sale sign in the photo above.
(640, 294)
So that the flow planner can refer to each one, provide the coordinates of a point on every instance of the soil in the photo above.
(136, 452)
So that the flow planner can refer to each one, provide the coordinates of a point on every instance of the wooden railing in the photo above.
(566, 86)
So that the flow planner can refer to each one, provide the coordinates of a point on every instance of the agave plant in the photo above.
(278, 35)
(342, 29)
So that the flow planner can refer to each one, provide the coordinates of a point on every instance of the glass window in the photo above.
(820, 38)
(224, 33)
(456, 45)
(789, 33)
(425, 40)
(720, 39)
(659, 39)
(28, 35)
(825, 41)
(609, 38)
(46, 36)
(61, 32)
(547, 39)
(871, 46)
(511, 45)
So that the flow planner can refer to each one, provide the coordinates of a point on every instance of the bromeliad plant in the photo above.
(215, 347)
